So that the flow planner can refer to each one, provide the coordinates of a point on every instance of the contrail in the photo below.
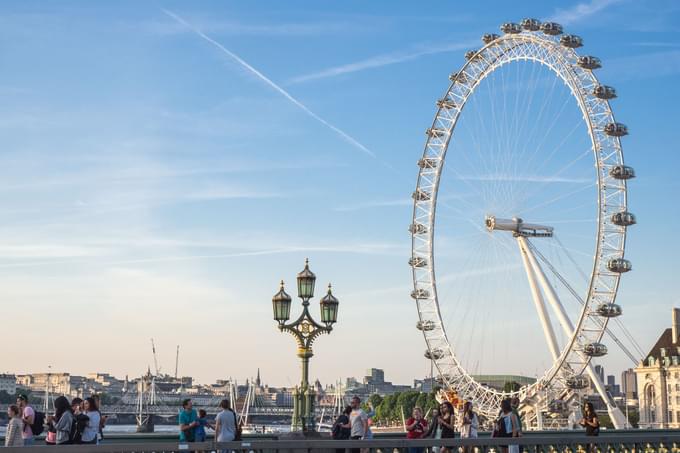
(269, 82)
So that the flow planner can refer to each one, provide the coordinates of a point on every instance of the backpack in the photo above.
(77, 428)
(500, 428)
(38, 427)
(335, 434)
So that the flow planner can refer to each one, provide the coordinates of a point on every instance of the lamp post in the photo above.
(305, 330)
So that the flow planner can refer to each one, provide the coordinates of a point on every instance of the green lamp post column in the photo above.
(305, 330)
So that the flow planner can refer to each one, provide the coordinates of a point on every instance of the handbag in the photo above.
(239, 430)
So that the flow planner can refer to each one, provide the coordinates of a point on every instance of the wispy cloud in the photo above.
(581, 11)
(225, 27)
(523, 178)
(273, 85)
(380, 61)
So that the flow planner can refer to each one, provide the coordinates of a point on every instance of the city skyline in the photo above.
(155, 186)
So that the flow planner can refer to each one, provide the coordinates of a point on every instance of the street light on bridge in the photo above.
(305, 330)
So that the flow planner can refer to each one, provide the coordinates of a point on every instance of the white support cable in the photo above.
(615, 414)
(573, 292)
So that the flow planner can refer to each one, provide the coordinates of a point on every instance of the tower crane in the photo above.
(155, 359)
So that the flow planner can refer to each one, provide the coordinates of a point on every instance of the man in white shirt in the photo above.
(358, 422)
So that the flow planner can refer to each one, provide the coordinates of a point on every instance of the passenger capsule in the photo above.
(578, 382)
(595, 350)
(588, 62)
(510, 27)
(622, 172)
(446, 104)
(470, 54)
(428, 162)
(604, 92)
(623, 218)
(557, 407)
(434, 132)
(616, 130)
(417, 228)
(420, 293)
(421, 195)
(488, 38)
(531, 24)
(619, 265)
(434, 354)
(571, 41)
(417, 261)
(551, 28)
(458, 77)
(609, 310)
(425, 326)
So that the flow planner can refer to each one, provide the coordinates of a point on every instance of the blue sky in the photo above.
(153, 186)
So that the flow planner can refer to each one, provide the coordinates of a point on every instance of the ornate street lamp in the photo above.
(305, 330)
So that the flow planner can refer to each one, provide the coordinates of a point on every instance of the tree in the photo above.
(511, 386)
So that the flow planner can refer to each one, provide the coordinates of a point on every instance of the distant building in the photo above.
(658, 380)
(8, 383)
(629, 384)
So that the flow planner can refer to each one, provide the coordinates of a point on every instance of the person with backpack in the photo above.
(14, 427)
(28, 417)
(341, 428)
(63, 420)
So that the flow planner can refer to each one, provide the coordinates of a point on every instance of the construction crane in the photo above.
(176, 361)
(155, 359)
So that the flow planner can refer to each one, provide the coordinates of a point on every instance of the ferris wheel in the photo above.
(523, 172)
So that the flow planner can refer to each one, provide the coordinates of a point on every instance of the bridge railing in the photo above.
(639, 442)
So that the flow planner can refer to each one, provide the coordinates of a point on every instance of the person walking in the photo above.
(468, 425)
(514, 402)
(15, 426)
(416, 427)
(358, 421)
(188, 421)
(447, 423)
(63, 421)
(91, 428)
(28, 417)
(226, 424)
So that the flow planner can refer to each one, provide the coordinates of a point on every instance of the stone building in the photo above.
(658, 380)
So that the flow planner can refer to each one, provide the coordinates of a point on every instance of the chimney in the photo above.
(676, 325)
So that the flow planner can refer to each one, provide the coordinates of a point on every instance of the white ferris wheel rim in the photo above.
(612, 198)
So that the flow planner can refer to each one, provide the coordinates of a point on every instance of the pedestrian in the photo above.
(468, 425)
(434, 431)
(15, 427)
(202, 424)
(226, 424)
(63, 420)
(514, 402)
(91, 429)
(341, 427)
(416, 427)
(447, 423)
(507, 425)
(81, 420)
(28, 417)
(188, 421)
(590, 421)
(102, 418)
(358, 420)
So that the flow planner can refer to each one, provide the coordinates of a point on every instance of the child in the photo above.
(14, 427)
(202, 424)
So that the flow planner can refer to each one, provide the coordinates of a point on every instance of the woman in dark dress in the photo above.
(590, 421)
(447, 422)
